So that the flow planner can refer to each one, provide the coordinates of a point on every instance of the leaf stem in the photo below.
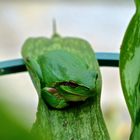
(54, 27)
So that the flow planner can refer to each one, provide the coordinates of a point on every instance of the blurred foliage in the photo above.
(10, 129)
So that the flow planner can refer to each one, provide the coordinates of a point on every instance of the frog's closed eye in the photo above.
(96, 77)
(87, 66)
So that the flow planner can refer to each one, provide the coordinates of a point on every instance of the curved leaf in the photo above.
(130, 70)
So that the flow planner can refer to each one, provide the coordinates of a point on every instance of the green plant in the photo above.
(67, 78)
(64, 72)
(130, 71)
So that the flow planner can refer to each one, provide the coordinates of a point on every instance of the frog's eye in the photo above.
(96, 77)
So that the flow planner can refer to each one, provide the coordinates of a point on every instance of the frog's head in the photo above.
(67, 76)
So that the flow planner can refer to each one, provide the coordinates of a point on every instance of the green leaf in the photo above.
(10, 128)
(65, 70)
(130, 71)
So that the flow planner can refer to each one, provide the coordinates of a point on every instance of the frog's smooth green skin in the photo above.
(59, 71)
(130, 71)
(65, 70)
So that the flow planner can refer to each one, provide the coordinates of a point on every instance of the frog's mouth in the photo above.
(53, 90)
(70, 91)
(70, 84)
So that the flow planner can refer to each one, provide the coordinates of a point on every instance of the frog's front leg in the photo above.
(53, 98)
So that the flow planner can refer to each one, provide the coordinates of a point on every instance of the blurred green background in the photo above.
(101, 22)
